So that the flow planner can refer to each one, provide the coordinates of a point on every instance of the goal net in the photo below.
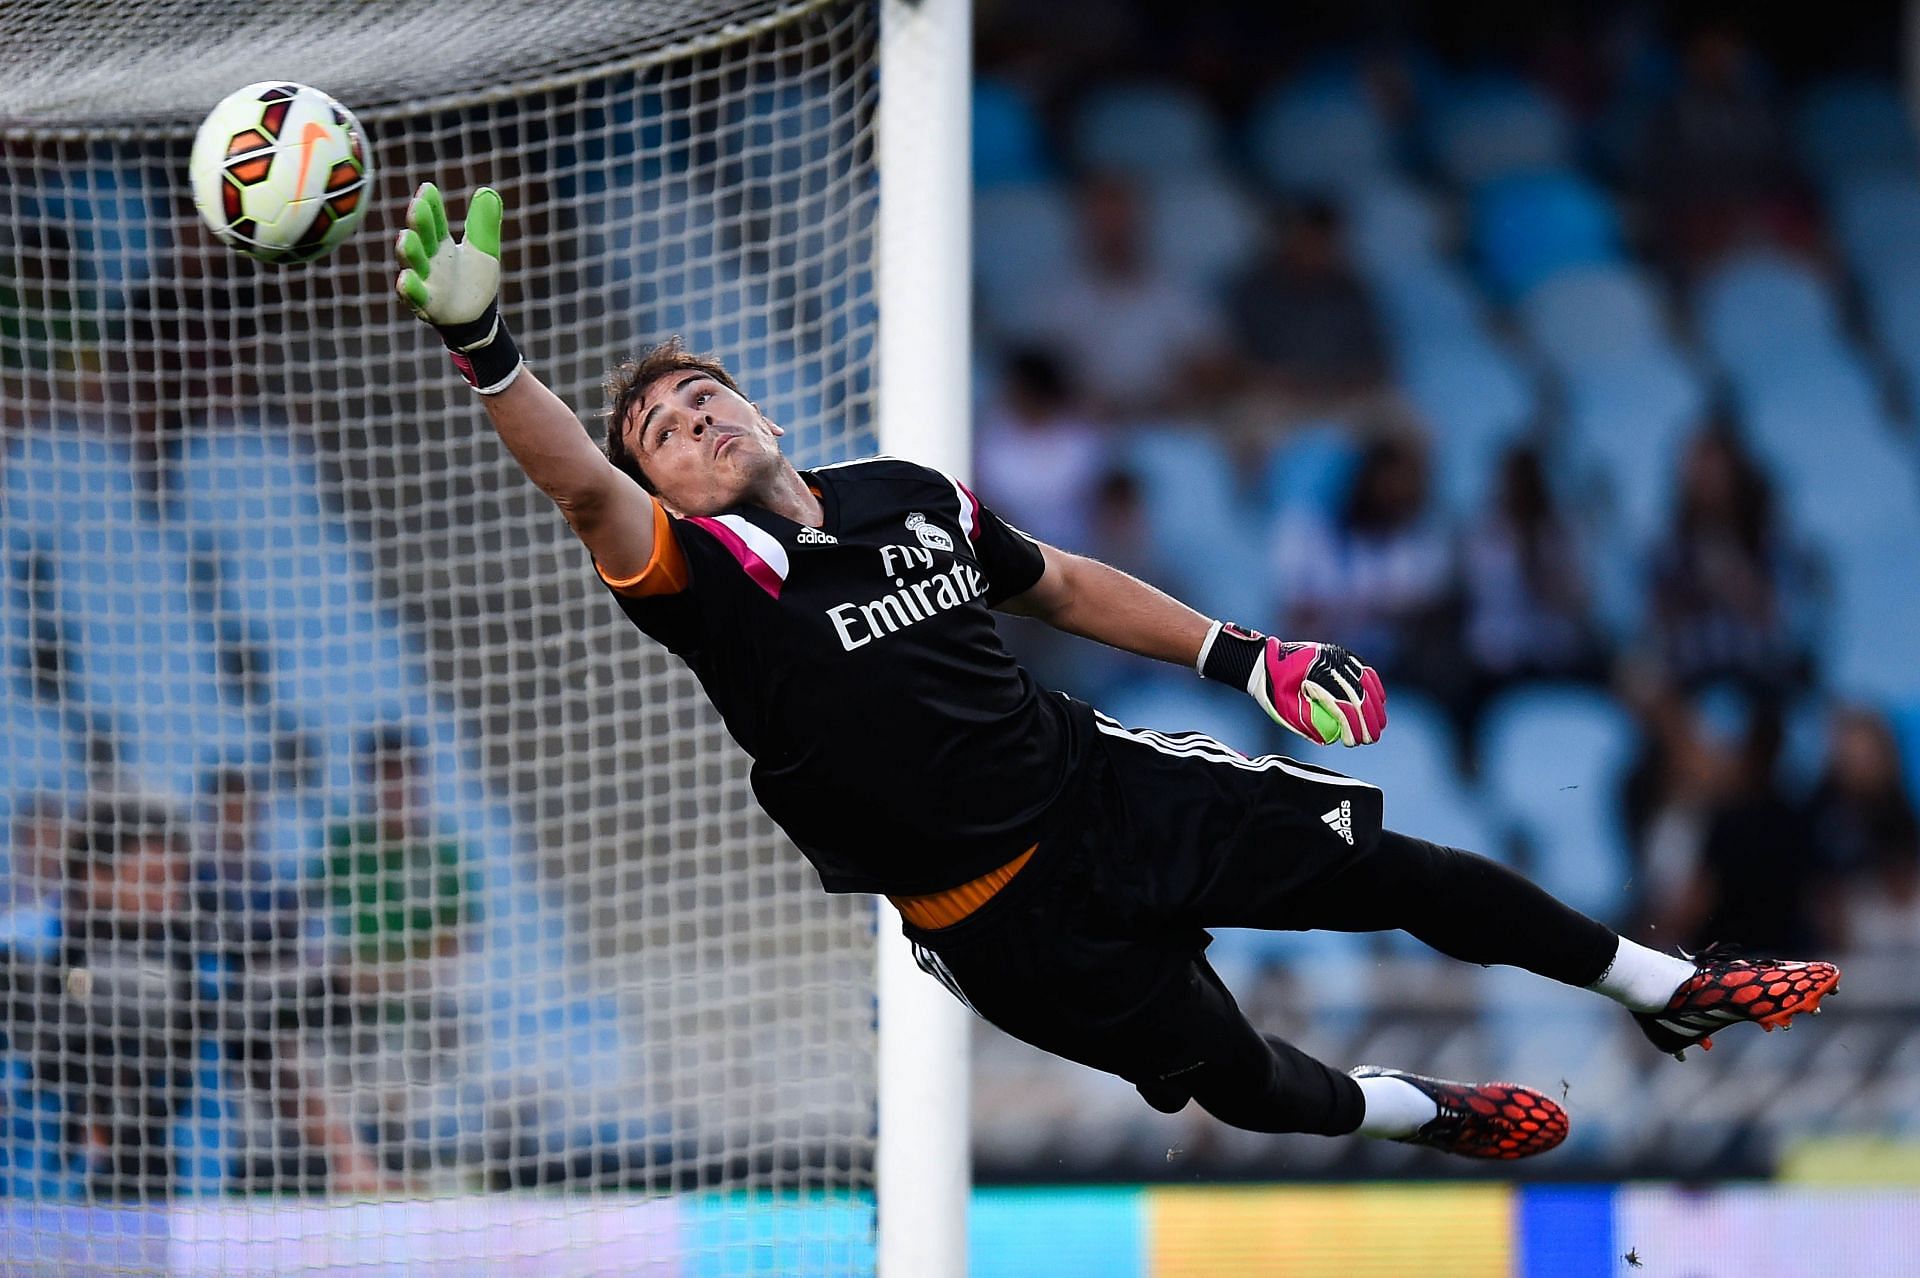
(376, 899)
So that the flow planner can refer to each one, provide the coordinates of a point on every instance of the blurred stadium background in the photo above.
(1562, 359)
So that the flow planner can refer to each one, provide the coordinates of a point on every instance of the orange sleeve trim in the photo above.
(944, 909)
(666, 572)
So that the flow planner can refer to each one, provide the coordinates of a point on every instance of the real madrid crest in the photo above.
(930, 535)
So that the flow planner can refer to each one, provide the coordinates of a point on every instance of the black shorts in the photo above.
(1096, 950)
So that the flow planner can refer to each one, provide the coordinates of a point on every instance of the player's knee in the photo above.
(1169, 1096)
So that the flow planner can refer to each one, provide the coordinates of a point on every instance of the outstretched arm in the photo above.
(1320, 691)
(454, 285)
(1095, 601)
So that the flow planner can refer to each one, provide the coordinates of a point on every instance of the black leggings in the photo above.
(1460, 903)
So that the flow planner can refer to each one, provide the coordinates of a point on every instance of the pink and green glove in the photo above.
(454, 285)
(1319, 690)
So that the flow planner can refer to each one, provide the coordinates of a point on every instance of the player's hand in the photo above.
(454, 285)
(1319, 690)
(449, 282)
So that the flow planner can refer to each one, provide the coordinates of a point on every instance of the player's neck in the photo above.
(788, 496)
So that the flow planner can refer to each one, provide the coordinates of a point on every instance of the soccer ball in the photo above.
(279, 171)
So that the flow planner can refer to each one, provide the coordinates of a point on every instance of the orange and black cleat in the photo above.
(1482, 1120)
(1727, 990)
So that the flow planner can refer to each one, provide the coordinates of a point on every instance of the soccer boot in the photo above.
(1726, 990)
(1482, 1120)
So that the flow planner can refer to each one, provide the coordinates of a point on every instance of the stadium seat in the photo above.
(1528, 226)
(639, 235)
(1860, 479)
(232, 478)
(106, 208)
(1851, 125)
(1596, 313)
(1868, 640)
(36, 1162)
(1497, 126)
(1022, 236)
(712, 304)
(1309, 470)
(1762, 306)
(1627, 419)
(1877, 217)
(1892, 294)
(1319, 136)
(1202, 228)
(40, 753)
(1009, 144)
(1478, 400)
(1145, 129)
(292, 586)
(68, 474)
(1392, 225)
(1195, 511)
(146, 662)
(1553, 759)
(1428, 301)
(1905, 715)
(20, 567)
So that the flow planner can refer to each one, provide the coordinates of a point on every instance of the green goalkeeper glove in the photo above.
(454, 285)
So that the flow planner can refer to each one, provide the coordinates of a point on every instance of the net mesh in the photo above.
(371, 886)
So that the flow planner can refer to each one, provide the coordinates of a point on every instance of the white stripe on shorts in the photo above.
(935, 966)
(1197, 745)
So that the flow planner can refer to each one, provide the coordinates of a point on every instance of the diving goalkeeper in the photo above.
(1055, 870)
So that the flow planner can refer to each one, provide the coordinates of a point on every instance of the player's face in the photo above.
(704, 447)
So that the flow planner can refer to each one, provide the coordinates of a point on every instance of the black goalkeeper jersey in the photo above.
(893, 736)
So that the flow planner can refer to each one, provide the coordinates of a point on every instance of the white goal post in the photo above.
(925, 251)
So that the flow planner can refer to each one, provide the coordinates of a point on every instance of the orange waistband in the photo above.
(944, 909)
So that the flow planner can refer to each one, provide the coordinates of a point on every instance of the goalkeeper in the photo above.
(1055, 870)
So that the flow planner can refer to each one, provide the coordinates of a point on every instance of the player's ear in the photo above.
(772, 425)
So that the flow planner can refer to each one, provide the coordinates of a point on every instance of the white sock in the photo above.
(1642, 979)
(1395, 1108)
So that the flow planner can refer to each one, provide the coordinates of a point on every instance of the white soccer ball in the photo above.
(279, 171)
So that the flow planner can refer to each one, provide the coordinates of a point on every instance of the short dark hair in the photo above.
(627, 385)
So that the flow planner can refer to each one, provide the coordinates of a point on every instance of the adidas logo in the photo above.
(814, 537)
(1340, 820)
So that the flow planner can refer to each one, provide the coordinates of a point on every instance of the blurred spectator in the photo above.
(1668, 795)
(396, 890)
(1753, 883)
(47, 314)
(1121, 535)
(1713, 158)
(112, 1019)
(30, 891)
(1724, 574)
(1378, 576)
(1303, 318)
(1869, 836)
(1038, 454)
(190, 344)
(235, 883)
(401, 897)
(1528, 605)
(1135, 337)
